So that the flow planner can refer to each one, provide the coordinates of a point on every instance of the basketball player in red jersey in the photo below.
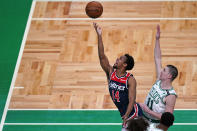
(122, 85)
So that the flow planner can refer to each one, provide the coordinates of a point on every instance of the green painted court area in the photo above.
(84, 120)
(84, 128)
(62, 128)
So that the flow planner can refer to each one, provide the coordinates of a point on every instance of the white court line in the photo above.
(18, 87)
(185, 124)
(83, 124)
(83, 109)
(114, 0)
(17, 65)
(63, 109)
(185, 109)
(63, 123)
(117, 19)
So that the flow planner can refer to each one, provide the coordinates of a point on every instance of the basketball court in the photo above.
(58, 83)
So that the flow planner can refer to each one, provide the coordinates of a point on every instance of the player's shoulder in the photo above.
(157, 83)
(129, 75)
(111, 71)
(131, 78)
(171, 92)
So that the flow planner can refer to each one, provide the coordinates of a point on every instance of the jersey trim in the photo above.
(128, 79)
(165, 97)
(168, 93)
(135, 113)
(161, 88)
(121, 76)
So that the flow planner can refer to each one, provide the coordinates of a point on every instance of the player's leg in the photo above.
(140, 111)
(136, 111)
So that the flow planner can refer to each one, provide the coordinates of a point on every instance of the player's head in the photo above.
(167, 119)
(137, 124)
(169, 72)
(126, 61)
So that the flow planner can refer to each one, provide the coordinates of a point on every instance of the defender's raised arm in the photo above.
(157, 53)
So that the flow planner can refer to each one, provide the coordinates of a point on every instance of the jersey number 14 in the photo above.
(115, 95)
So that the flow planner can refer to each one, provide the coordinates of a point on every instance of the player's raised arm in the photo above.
(157, 53)
(102, 57)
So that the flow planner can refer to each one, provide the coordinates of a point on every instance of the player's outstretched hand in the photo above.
(125, 120)
(97, 28)
(158, 32)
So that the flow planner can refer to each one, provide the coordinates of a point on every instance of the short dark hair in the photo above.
(167, 119)
(137, 124)
(173, 71)
(129, 62)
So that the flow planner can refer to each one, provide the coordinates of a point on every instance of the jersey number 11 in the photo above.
(150, 103)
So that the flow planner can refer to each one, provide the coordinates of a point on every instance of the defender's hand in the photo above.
(158, 32)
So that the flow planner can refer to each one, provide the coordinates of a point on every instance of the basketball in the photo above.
(94, 9)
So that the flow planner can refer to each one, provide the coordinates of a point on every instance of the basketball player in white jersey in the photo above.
(162, 96)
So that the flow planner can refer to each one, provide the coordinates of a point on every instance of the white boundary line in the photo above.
(17, 65)
(34, 124)
(114, 0)
(185, 124)
(117, 19)
(185, 109)
(83, 109)
(63, 109)
(63, 123)
(18, 87)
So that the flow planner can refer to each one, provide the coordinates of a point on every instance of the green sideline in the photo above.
(13, 19)
(88, 116)
(84, 128)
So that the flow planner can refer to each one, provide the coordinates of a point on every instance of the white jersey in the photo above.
(152, 127)
(155, 99)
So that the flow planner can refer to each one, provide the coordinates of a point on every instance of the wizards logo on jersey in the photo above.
(115, 85)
